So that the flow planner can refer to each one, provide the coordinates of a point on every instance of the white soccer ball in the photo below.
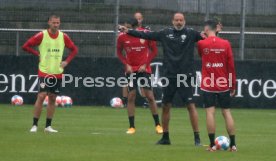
(17, 100)
(222, 143)
(116, 102)
(58, 101)
(66, 101)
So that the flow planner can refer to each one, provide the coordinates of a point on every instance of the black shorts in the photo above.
(141, 80)
(185, 92)
(49, 85)
(211, 99)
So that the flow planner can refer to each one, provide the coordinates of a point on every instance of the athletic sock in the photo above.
(212, 139)
(232, 140)
(166, 135)
(35, 121)
(48, 122)
(131, 121)
(196, 135)
(156, 119)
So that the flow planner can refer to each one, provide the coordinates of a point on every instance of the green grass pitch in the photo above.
(98, 134)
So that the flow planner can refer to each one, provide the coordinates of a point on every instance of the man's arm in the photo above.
(231, 68)
(151, 35)
(70, 45)
(154, 51)
(199, 36)
(121, 56)
(33, 41)
(156, 36)
(120, 51)
(199, 49)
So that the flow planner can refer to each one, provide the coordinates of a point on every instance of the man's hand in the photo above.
(219, 27)
(203, 35)
(63, 64)
(128, 69)
(232, 93)
(123, 29)
(142, 68)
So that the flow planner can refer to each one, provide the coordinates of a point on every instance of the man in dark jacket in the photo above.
(178, 47)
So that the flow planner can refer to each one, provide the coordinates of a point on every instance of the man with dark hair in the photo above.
(139, 54)
(139, 17)
(178, 44)
(51, 43)
(218, 81)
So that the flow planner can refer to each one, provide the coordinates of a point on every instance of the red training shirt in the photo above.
(217, 62)
(37, 39)
(138, 51)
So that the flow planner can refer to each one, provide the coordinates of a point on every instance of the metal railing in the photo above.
(100, 43)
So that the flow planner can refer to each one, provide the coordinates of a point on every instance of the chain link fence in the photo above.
(91, 23)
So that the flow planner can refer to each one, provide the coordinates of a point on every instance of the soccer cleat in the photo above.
(159, 129)
(233, 148)
(130, 130)
(33, 129)
(145, 105)
(211, 149)
(197, 142)
(50, 130)
(164, 142)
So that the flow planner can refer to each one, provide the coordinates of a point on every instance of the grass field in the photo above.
(98, 134)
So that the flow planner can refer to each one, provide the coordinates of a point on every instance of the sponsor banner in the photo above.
(95, 81)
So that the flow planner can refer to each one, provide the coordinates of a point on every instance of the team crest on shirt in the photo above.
(206, 51)
(183, 37)
(142, 41)
(42, 85)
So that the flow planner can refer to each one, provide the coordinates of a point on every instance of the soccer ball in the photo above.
(45, 102)
(66, 101)
(222, 143)
(116, 102)
(58, 101)
(17, 100)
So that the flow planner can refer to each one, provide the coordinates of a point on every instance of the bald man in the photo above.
(178, 44)
(140, 18)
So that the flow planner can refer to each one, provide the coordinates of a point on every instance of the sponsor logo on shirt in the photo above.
(214, 65)
(217, 51)
(139, 48)
(52, 50)
(170, 36)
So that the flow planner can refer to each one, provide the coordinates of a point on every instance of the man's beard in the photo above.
(178, 28)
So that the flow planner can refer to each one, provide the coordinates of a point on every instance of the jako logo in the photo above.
(214, 65)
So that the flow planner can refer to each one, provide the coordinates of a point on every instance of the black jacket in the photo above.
(178, 48)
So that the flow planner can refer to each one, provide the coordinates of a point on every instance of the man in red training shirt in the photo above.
(139, 17)
(138, 55)
(51, 44)
(218, 81)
